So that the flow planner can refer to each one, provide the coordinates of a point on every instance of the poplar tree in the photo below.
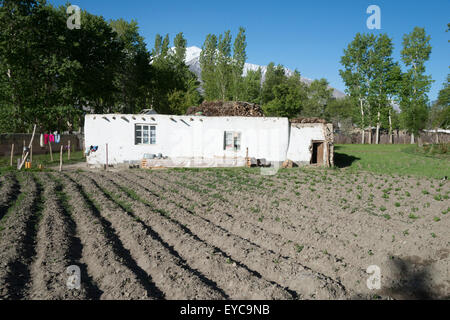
(386, 76)
(415, 83)
(208, 67)
(357, 76)
(165, 46)
(157, 47)
(239, 58)
(180, 48)
(223, 65)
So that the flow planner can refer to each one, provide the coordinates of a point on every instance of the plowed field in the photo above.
(223, 234)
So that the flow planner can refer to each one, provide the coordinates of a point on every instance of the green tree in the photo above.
(180, 49)
(223, 65)
(440, 111)
(357, 76)
(208, 66)
(386, 78)
(275, 75)
(251, 86)
(133, 78)
(175, 87)
(342, 110)
(415, 84)
(51, 71)
(238, 62)
(289, 98)
(319, 96)
(444, 94)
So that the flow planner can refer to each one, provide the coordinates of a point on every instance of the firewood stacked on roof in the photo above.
(308, 120)
(227, 108)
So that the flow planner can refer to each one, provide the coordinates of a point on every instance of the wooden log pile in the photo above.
(227, 108)
(288, 164)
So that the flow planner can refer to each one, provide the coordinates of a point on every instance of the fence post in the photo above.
(12, 154)
(107, 156)
(51, 153)
(60, 158)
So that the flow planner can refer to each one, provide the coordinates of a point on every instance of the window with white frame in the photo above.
(144, 134)
(232, 141)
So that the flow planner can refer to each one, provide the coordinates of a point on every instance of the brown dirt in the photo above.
(223, 234)
(55, 250)
(9, 188)
(17, 241)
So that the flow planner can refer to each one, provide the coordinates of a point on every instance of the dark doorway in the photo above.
(317, 153)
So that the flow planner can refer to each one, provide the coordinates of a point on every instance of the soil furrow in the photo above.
(106, 259)
(265, 233)
(55, 244)
(256, 235)
(234, 277)
(153, 254)
(267, 263)
(116, 227)
(17, 241)
(9, 192)
(364, 239)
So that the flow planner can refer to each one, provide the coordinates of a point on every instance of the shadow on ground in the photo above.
(342, 160)
(413, 281)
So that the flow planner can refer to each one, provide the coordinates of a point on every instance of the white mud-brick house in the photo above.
(201, 141)
(310, 142)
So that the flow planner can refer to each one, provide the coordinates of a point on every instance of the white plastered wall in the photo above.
(188, 141)
(300, 141)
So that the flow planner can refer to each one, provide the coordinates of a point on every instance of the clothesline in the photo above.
(47, 138)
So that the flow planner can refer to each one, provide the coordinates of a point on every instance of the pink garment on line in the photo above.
(45, 138)
(51, 138)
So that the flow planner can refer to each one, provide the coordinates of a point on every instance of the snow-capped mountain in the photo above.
(193, 61)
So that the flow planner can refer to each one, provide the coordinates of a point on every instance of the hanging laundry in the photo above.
(51, 138)
(46, 138)
(41, 141)
(57, 138)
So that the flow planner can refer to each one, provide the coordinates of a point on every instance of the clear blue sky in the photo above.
(306, 35)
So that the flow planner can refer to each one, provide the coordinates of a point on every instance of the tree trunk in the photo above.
(377, 137)
(390, 128)
(437, 137)
(362, 121)
(412, 138)
(370, 133)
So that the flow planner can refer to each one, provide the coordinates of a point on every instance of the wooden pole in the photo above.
(31, 154)
(12, 154)
(51, 153)
(68, 154)
(106, 156)
(60, 159)
(23, 151)
(29, 146)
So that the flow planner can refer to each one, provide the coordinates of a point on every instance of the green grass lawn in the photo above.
(383, 159)
(392, 159)
(44, 159)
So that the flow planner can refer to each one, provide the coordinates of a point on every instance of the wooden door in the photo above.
(320, 154)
